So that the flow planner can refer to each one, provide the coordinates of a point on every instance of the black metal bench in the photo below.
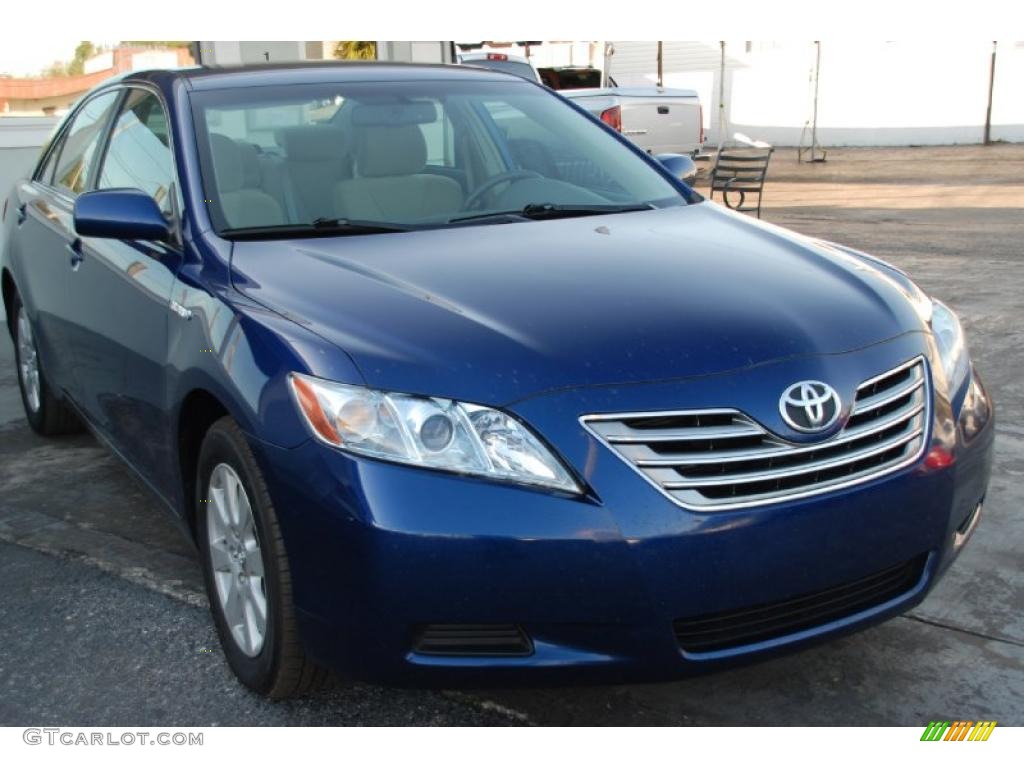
(738, 173)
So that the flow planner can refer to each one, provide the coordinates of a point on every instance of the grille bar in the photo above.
(718, 459)
(730, 629)
(628, 435)
(776, 448)
(887, 396)
(802, 469)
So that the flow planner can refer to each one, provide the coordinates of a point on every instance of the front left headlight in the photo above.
(427, 432)
(949, 338)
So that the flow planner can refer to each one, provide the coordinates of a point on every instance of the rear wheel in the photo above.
(246, 568)
(46, 413)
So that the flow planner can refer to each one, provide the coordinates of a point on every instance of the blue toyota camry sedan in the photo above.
(450, 384)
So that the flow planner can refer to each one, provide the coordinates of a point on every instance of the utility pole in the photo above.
(814, 148)
(721, 97)
(661, 66)
(991, 85)
(609, 51)
(814, 124)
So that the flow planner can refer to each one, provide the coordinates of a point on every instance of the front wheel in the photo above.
(246, 569)
(47, 414)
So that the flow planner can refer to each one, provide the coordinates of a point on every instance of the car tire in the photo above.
(234, 552)
(47, 414)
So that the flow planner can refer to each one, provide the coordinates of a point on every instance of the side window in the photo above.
(439, 138)
(45, 174)
(139, 153)
(514, 124)
(535, 147)
(75, 162)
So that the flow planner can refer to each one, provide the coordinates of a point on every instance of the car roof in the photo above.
(207, 77)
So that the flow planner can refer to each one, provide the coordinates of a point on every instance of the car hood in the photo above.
(496, 313)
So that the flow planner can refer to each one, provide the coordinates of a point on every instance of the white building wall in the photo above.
(418, 51)
(1008, 94)
(20, 140)
(870, 93)
(227, 53)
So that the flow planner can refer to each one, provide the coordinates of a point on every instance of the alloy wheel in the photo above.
(236, 560)
(28, 360)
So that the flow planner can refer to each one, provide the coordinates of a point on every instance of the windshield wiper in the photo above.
(320, 227)
(358, 226)
(538, 211)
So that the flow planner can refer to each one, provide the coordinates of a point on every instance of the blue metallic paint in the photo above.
(125, 214)
(690, 306)
(668, 293)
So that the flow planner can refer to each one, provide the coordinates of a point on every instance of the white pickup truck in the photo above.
(658, 120)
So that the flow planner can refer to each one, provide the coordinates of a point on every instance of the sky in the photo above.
(28, 55)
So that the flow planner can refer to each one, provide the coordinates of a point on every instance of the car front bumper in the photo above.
(379, 550)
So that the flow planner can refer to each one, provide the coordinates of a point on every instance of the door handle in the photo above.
(662, 110)
(75, 248)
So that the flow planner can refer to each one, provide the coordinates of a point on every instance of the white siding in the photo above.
(20, 141)
(870, 93)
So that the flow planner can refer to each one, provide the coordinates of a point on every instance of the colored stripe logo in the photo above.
(958, 730)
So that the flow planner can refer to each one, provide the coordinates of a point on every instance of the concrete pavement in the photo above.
(86, 648)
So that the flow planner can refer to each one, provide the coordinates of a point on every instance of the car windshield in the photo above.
(375, 157)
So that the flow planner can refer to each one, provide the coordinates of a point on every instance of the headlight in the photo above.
(949, 338)
(428, 432)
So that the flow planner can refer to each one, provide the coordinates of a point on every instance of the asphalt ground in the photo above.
(103, 620)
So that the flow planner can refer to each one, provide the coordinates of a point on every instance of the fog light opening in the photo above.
(966, 528)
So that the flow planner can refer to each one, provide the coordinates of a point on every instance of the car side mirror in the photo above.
(680, 166)
(122, 214)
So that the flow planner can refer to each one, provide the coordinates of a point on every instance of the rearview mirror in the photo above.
(680, 166)
(122, 214)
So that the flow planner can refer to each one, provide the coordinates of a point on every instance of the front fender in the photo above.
(242, 353)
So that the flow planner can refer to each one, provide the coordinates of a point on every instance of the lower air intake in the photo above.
(755, 624)
(473, 640)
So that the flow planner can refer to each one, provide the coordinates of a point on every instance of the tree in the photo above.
(84, 50)
(56, 69)
(356, 49)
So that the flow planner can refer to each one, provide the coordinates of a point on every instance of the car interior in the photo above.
(388, 163)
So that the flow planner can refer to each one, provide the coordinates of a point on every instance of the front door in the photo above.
(122, 292)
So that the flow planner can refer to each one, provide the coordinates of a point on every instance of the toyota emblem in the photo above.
(810, 406)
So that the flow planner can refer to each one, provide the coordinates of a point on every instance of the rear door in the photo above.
(45, 239)
(122, 295)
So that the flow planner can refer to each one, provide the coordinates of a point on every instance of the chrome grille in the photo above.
(717, 459)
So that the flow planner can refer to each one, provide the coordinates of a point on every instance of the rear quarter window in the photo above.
(569, 79)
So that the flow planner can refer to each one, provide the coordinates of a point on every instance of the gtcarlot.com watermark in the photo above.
(74, 738)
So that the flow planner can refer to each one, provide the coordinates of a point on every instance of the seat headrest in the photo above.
(227, 163)
(312, 142)
(250, 157)
(391, 150)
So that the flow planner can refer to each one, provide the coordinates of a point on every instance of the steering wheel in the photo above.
(508, 176)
